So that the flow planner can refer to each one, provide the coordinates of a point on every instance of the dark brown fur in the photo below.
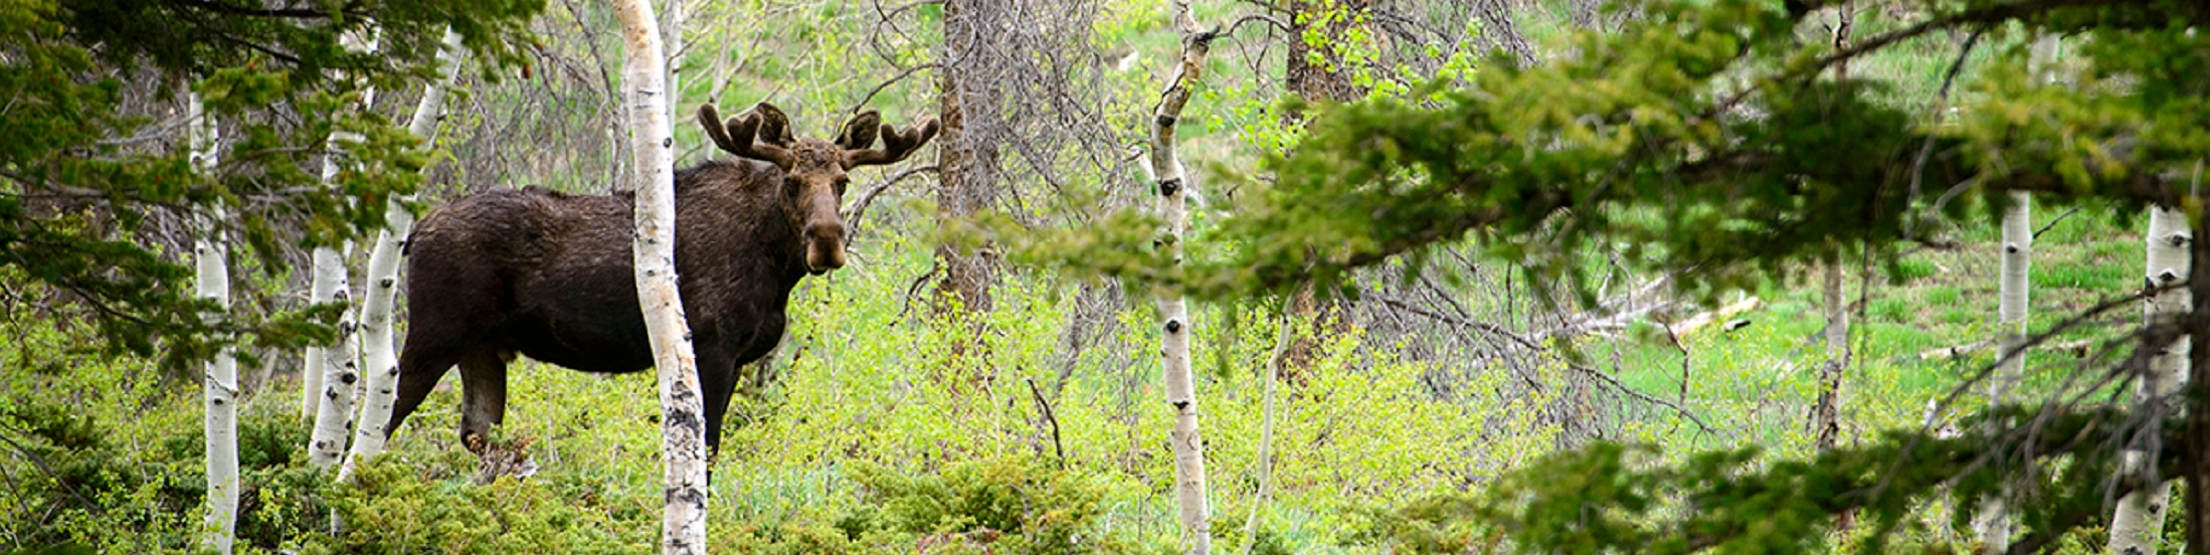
(550, 275)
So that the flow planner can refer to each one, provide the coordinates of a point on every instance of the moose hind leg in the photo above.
(483, 397)
(420, 368)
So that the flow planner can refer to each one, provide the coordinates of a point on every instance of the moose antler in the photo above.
(738, 133)
(897, 144)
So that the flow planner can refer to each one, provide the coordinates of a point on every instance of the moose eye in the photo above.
(793, 185)
(841, 183)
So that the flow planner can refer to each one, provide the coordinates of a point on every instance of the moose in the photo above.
(549, 275)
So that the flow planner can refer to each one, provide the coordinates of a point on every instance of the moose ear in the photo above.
(860, 132)
(774, 126)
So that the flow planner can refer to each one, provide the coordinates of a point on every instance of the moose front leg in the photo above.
(717, 381)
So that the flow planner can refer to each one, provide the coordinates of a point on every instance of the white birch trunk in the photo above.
(652, 148)
(210, 257)
(1172, 186)
(383, 280)
(329, 375)
(2135, 524)
(1991, 523)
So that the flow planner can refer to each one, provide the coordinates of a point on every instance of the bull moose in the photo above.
(549, 275)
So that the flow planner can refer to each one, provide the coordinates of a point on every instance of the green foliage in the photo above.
(1704, 113)
(1615, 498)
(394, 509)
(87, 459)
(1020, 499)
(1706, 136)
(88, 167)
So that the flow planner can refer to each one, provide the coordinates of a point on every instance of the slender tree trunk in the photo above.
(2136, 523)
(652, 149)
(330, 375)
(1826, 424)
(1266, 432)
(211, 259)
(1992, 522)
(1306, 73)
(671, 34)
(383, 279)
(967, 157)
(1826, 413)
(2195, 464)
(1172, 187)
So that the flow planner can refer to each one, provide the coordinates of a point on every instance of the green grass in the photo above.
(1760, 379)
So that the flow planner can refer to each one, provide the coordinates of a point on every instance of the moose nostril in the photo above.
(825, 247)
(825, 232)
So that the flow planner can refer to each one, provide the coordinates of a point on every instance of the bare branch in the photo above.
(870, 96)
(859, 211)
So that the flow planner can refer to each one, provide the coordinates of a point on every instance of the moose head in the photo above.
(813, 181)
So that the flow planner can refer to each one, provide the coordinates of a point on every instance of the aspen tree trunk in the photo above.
(1172, 186)
(671, 33)
(652, 147)
(1826, 426)
(383, 279)
(1992, 524)
(1826, 413)
(1266, 429)
(211, 259)
(329, 376)
(2135, 524)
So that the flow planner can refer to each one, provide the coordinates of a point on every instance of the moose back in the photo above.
(549, 275)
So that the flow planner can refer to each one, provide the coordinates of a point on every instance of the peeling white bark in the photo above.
(329, 375)
(210, 258)
(2140, 515)
(1172, 186)
(652, 147)
(382, 376)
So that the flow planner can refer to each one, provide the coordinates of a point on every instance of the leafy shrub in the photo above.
(394, 508)
(89, 480)
(1017, 503)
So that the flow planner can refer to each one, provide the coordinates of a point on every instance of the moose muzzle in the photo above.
(824, 247)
